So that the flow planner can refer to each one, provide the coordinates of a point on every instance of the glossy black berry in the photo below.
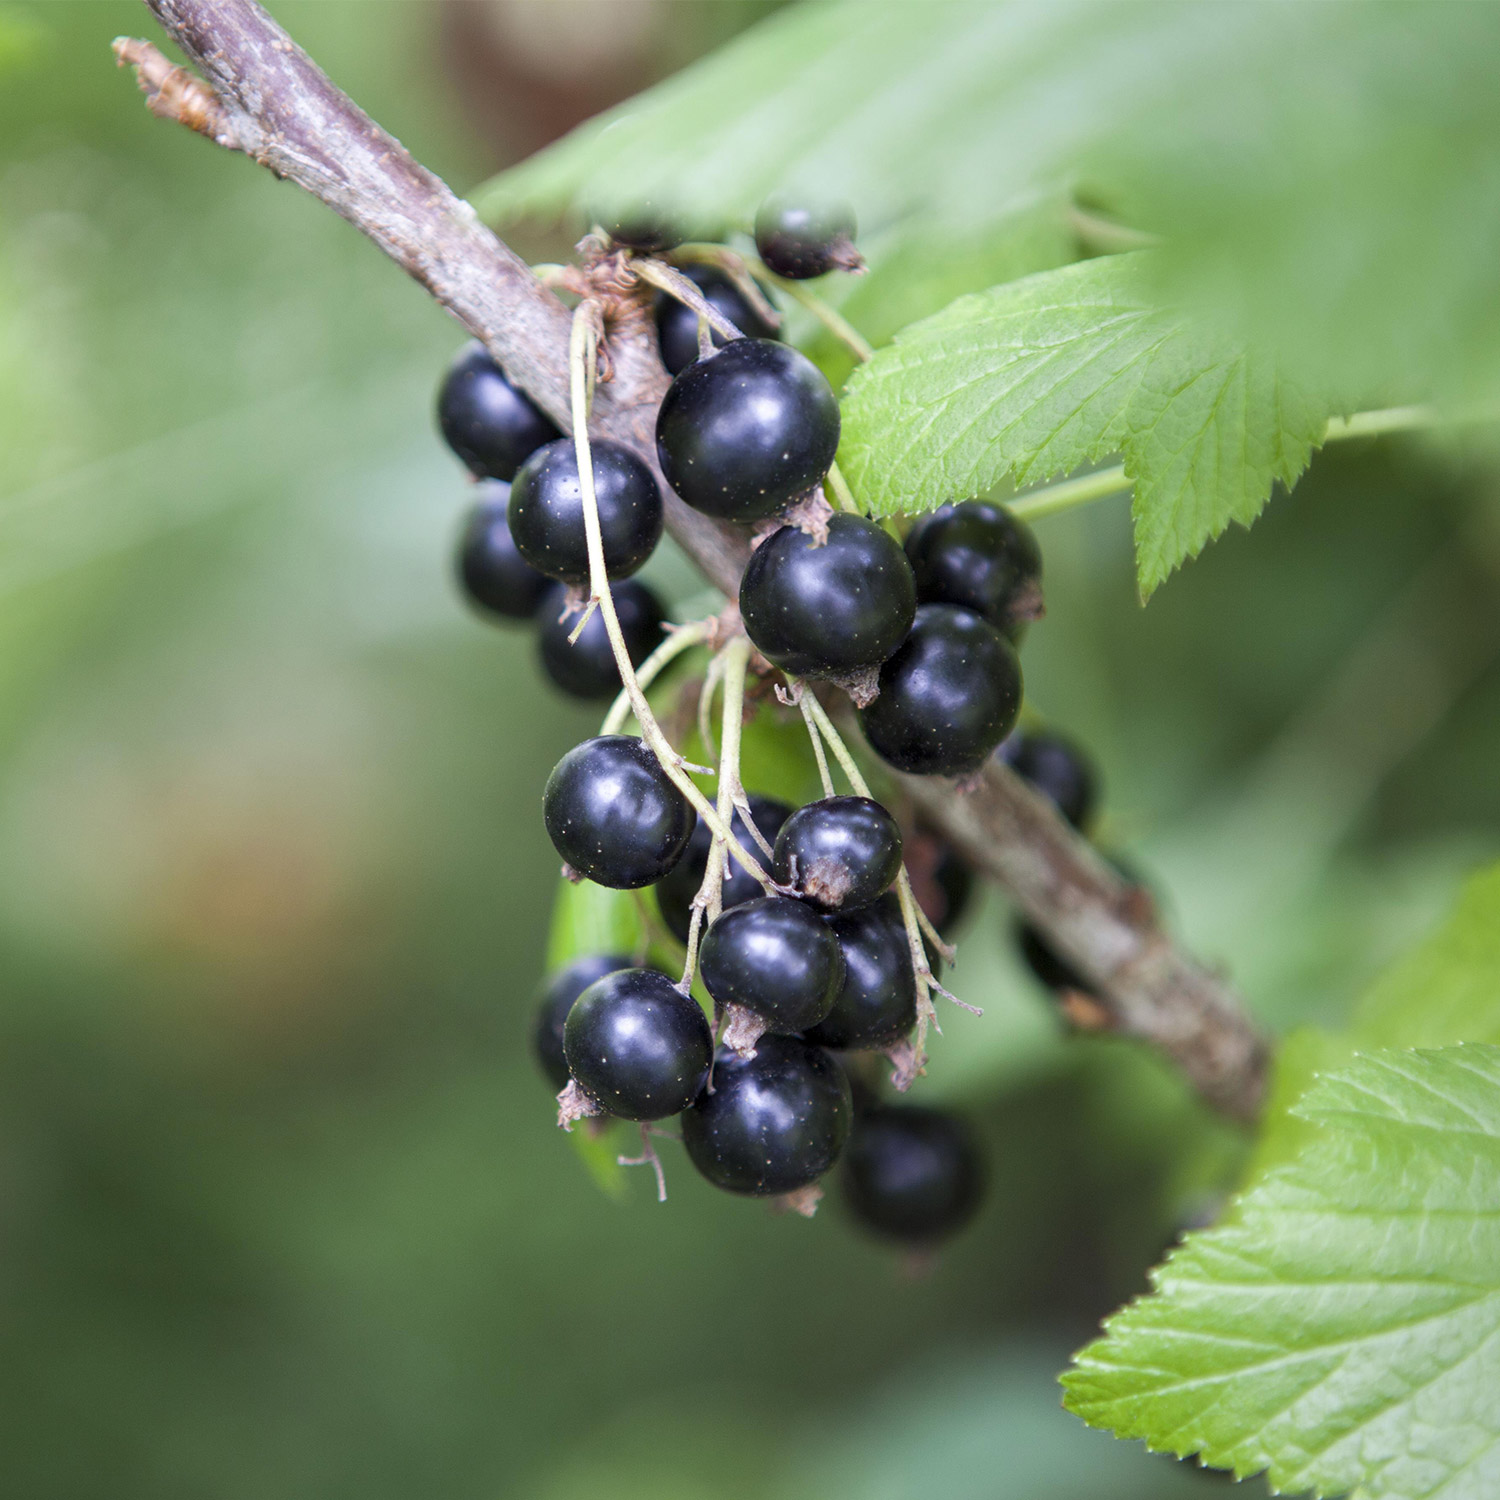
(637, 1045)
(677, 324)
(546, 511)
(585, 668)
(613, 813)
(745, 431)
(774, 1123)
(831, 608)
(675, 892)
(490, 424)
(840, 853)
(948, 696)
(557, 1000)
(495, 577)
(797, 240)
(912, 1174)
(979, 556)
(1057, 768)
(776, 957)
(877, 1003)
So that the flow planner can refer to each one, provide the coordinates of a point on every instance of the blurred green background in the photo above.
(283, 1212)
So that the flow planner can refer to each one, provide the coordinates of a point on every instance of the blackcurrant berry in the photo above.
(1051, 969)
(940, 879)
(979, 556)
(675, 891)
(546, 511)
(774, 1122)
(776, 957)
(613, 813)
(494, 576)
(912, 1174)
(647, 226)
(557, 1000)
(948, 696)
(831, 608)
(797, 241)
(745, 431)
(840, 853)
(1057, 768)
(489, 423)
(677, 324)
(877, 1003)
(585, 668)
(637, 1045)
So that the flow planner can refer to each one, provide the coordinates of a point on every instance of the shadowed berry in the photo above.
(912, 1174)
(797, 240)
(675, 891)
(979, 556)
(493, 426)
(586, 668)
(496, 579)
(677, 324)
(1057, 768)
(877, 1003)
(558, 996)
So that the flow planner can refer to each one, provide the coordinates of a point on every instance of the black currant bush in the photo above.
(1041, 348)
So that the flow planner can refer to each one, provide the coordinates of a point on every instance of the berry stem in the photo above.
(833, 320)
(911, 915)
(583, 344)
(675, 284)
(817, 744)
(684, 638)
(734, 267)
(841, 491)
(709, 901)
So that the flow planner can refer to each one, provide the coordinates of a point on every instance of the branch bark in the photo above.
(265, 97)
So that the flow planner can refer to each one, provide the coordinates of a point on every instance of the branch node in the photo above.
(174, 93)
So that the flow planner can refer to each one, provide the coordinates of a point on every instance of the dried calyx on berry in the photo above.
(798, 240)
(840, 853)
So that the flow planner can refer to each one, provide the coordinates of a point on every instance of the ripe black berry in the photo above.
(746, 430)
(557, 1000)
(979, 556)
(840, 853)
(490, 424)
(776, 957)
(637, 1045)
(1057, 768)
(912, 1174)
(645, 226)
(613, 813)
(828, 609)
(675, 891)
(677, 324)
(585, 668)
(494, 576)
(546, 511)
(798, 241)
(877, 1003)
(948, 696)
(774, 1123)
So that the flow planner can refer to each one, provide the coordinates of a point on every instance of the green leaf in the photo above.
(1340, 1330)
(1064, 368)
(1448, 988)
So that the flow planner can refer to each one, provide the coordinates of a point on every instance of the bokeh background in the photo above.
(283, 1212)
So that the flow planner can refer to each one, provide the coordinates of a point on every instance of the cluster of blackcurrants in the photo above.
(922, 635)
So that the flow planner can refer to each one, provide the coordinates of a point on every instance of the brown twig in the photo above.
(265, 97)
